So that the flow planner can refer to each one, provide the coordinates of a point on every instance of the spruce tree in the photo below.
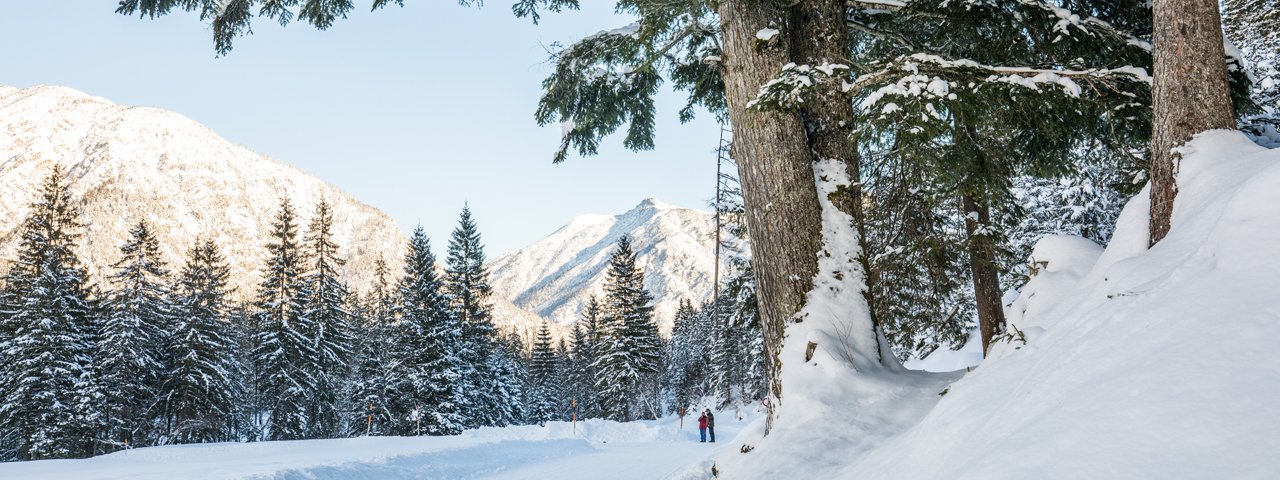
(133, 347)
(686, 356)
(428, 349)
(284, 340)
(202, 388)
(630, 351)
(370, 394)
(543, 377)
(467, 284)
(325, 313)
(52, 403)
(509, 378)
(581, 378)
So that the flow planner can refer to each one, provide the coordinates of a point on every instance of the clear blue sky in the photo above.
(412, 110)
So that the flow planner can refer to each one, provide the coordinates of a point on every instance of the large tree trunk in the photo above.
(776, 171)
(818, 36)
(982, 264)
(1189, 94)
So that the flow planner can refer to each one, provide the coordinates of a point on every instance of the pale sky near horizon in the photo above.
(412, 110)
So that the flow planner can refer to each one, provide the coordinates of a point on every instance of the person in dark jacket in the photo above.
(702, 427)
(711, 425)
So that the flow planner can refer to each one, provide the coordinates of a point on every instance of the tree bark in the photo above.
(776, 171)
(818, 36)
(982, 264)
(1189, 93)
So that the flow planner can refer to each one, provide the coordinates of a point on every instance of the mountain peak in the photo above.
(652, 203)
(555, 276)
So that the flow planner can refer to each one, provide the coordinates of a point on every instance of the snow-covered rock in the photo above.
(555, 276)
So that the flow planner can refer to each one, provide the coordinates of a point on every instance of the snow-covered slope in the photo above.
(555, 276)
(135, 163)
(1126, 362)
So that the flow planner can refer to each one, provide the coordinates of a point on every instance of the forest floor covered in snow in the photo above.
(597, 449)
(1121, 362)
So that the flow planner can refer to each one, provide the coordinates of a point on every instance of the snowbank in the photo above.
(1124, 363)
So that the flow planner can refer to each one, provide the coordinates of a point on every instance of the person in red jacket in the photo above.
(702, 427)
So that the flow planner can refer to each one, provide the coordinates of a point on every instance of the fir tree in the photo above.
(284, 340)
(509, 378)
(52, 401)
(370, 394)
(427, 348)
(630, 351)
(467, 284)
(543, 377)
(324, 299)
(133, 347)
(687, 356)
(580, 378)
(201, 388)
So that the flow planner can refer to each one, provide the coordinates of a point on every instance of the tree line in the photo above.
(155, 357)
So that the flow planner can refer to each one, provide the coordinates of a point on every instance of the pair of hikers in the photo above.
(707, 424)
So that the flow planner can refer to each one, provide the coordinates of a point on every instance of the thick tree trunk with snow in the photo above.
(982, 264)
(1189, 93)
(776, 170)
(819, 36)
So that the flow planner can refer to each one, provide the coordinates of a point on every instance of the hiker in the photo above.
(702, 427)
(711, 425)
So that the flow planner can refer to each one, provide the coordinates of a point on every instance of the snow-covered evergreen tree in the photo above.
(324, 311)
(509, 378)
(133, 354)
(428, 353)
(467, 284)
(285, 342)
(370, 394)
(688, 356)
(580, 378)
(544, 373)
(630, 351)
(52, 400)
(202, 383)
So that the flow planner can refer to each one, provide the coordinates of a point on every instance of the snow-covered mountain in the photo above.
(134, 163)
(555, 276)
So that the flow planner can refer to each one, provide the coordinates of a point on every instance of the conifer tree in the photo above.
(285, 342)
(467, 284)
(324, 311)
(201, 387)
(370, 394)
(133, 347)
(630, 351)
(543, 376)
(428, 349)
(52, 401)
(687, 355)
(509, 378)
(581, 378)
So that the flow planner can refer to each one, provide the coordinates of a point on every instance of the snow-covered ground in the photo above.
(594, 449)
(1124, 362)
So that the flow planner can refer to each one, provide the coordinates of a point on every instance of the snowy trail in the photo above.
(594, 450)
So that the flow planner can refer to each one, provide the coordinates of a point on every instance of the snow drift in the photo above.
(1126, 362)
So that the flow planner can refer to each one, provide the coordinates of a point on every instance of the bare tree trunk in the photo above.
(982, 264)
(776, 171)
(818, 36)
(1189, 93)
